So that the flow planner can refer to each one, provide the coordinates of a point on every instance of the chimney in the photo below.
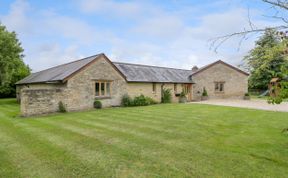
(194, 68)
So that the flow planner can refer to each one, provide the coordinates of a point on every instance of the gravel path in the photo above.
(254, 104)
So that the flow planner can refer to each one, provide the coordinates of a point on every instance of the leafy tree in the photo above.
(12, 67)
(265, 60)
(283, 94)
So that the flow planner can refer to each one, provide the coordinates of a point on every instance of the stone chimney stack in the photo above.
(194, 68)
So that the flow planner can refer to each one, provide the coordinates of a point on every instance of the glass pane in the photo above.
(221, 87)
(102, 89)
(97, 89)
(216, 87)
(108, 88)
(154, 87)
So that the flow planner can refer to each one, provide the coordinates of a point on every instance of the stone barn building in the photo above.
(77, 84)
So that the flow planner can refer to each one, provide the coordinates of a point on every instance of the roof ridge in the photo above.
(68, 63)
(149, 66)
(220, 61)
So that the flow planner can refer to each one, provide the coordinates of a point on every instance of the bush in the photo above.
(204, 92)
(246, 94)
(97, 104)
(182, 94)
(150, 100)
(61, 107)
(126, 101)
(166, 96)
(137, 101)
(140, 101)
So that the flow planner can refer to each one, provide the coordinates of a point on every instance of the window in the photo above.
(219, 86)
(186, 88)
(175, 87)
(154, 87)
(102, 88)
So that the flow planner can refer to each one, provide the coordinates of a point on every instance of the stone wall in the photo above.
(81, 87)
(235, 86)
(78, 93)
(136, 89)
(35, 101)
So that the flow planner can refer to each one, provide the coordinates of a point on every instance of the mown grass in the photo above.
(171, 140)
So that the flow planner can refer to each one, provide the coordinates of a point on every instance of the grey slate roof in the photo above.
(144, 73)
(58, 73)
(132, 73)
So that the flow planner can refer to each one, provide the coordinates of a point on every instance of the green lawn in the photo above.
(172, 140)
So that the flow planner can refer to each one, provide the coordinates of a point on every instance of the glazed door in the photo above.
(187, 89)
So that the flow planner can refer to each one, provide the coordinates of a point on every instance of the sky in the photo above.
(171, 33)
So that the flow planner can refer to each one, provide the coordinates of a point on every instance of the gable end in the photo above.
(220, 62)
(87, 65)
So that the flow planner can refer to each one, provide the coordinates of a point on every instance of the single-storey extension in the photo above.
(77, 84)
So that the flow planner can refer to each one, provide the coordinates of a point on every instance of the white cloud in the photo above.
(110, 7)
(163, 26)
(149, 35)
(17, 18)
(52, 54)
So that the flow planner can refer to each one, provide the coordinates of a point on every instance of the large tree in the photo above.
(12, 67)
(281, 10)
(265, 60)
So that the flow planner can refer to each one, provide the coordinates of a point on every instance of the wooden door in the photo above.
(187, 89)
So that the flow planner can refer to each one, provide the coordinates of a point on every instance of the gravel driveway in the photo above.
(254, 104)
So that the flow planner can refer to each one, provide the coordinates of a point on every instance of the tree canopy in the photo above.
(266, 60)
(12, 67)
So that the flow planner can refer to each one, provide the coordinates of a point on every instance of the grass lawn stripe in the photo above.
(91, 152)
(209, 141)
(21, 157)
(55, 158)
(122, 146)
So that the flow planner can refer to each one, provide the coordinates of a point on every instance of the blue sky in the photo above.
(171, 33)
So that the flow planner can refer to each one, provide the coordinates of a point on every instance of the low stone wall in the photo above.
(40, 101)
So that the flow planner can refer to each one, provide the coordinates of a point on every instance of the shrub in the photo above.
(126, 101)
(204, 92)
(61, 107)
(182, 98)
(182, 94)
(246, 94)
(140, 100)
(166, 96)
(97, 104)
(150, 100)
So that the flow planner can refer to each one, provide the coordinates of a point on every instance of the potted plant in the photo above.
(182, 97)
(204, 94)
(246, 96)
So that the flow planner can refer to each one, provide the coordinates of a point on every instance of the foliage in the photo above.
(12, 66)
(97, 104)
(182, 94)
(126, 100)
(140, 100)
(143, 101)
(166, 95)
(265, 60)
(246, 94)
(205, 93)
(283, 90)
(61, 107)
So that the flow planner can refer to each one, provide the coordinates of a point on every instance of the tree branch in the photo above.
(283, 4)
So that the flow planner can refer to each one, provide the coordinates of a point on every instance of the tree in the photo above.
(12, 67)
(281, 8)
(265, 60)
(283, 94)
